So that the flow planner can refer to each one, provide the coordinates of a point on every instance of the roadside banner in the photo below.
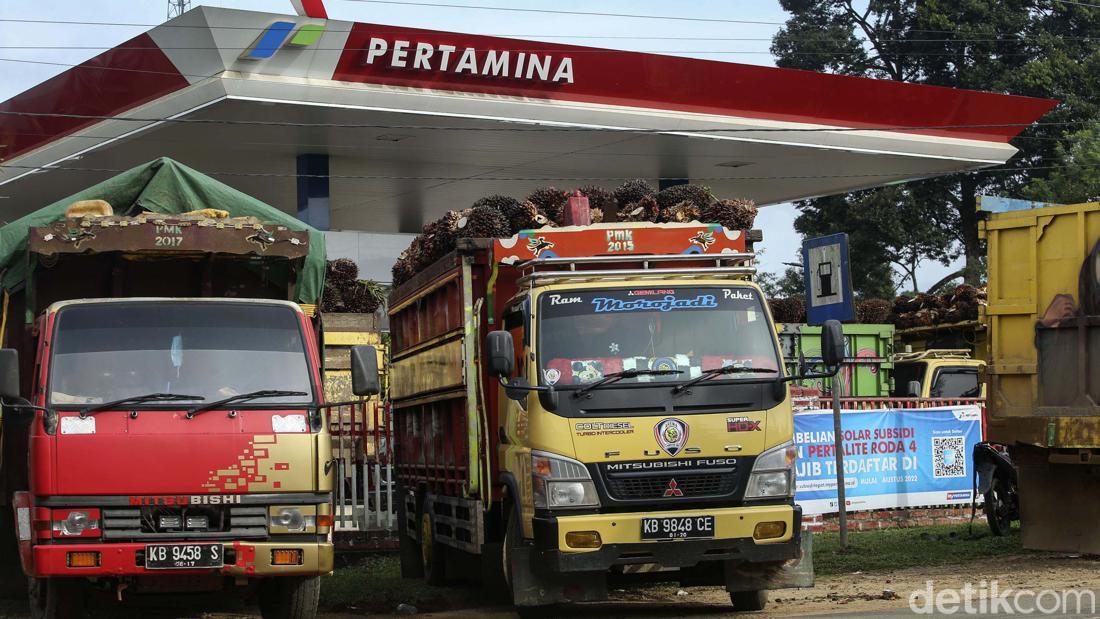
(892, 458)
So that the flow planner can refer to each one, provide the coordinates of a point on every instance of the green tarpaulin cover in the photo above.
(169, 187)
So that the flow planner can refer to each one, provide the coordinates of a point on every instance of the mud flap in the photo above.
(1071, 528)
(531, 588)
(792, 574)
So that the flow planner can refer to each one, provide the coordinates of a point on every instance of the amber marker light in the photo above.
(286, 556)
(83, 559)
(769, 530)
(583, 539)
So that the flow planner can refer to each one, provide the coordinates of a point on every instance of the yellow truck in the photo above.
(580, 403)
(937, 373)
(1044, 368)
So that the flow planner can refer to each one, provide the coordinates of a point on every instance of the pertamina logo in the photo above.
(671, 435)
(278, 35)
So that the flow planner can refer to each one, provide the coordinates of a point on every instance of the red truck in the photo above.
(594, 402)
(163, 424)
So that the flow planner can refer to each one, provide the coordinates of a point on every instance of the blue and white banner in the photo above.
(892, 458)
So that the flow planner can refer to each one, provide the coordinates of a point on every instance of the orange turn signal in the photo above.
(769, 530)
(324, 520)
(583, 539)
(83, 559)
(286, 556)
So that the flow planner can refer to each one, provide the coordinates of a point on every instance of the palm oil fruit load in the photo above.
(905, 312)
(503, 216)
(925, 310)
(345, 292)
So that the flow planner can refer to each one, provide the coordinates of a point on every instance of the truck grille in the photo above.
(225, 522)
(692, 484)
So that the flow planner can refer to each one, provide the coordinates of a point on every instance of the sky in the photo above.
(781, 242)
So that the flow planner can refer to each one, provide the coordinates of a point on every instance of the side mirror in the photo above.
(502, 354)
(913, 388)
(9, 373)
(832, 344)
(364, 371)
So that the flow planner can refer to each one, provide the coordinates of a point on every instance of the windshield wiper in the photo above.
(251, 395)
(728, 369)
(139, 399)
(615, 377)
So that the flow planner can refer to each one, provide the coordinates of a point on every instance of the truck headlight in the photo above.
(773, 473)
(560, 482)
(76, 523)
(293, 519)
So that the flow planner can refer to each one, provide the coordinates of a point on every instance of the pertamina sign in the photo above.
(458, 60)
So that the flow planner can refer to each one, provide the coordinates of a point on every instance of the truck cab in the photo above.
(937, 373)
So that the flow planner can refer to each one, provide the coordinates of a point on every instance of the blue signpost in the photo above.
(828, 282)
(828, 279)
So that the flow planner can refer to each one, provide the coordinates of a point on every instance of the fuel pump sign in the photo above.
(827, 279)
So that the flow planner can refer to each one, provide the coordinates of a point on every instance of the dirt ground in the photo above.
(841, 594)
(844, 594)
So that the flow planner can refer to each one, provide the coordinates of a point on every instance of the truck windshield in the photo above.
(107, 351)
(586, 334)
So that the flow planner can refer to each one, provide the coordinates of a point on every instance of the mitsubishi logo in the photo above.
(673, 489)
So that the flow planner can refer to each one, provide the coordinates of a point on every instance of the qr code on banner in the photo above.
(948, 456)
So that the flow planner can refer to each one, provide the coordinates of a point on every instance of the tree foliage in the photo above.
(1040, 48)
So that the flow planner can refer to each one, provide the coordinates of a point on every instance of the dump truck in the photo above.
(937, 373)
(595, 401)
(1043, 319)
(866, 371)
(163, 418)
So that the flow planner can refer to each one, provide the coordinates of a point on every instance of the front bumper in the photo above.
(622, 543)
(242, 559)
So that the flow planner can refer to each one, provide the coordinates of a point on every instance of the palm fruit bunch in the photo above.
(873, 311)
(631, 192)
(645, 209)
(437, 240)
(550, 202)
(363, 297)
(698, 195)
(731, 214)
(520, 215)
(600, 200)
(790, 309)
(403, 270)
(921, 310)
(341, 271)
(684, 212)
(345, 292)
(963, 303)
(481, 222)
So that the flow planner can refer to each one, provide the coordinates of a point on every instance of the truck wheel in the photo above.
(411, 566)
(433, 554)
(290, 597)
(56, 598)
(998, 509)
(749, 600)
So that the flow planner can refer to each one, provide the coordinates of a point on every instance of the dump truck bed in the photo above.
(1044, 325)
